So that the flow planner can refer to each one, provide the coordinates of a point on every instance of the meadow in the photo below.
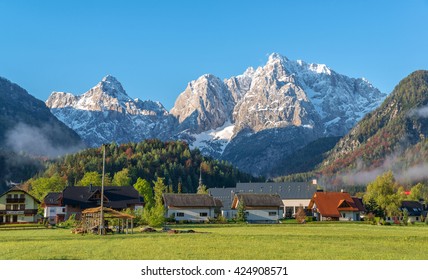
(312, 241)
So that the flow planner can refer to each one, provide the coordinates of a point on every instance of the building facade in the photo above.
(293, 195)
(259, 208)
(18, 206)
(191, 207)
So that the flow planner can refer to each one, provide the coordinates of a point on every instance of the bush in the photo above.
(370, 219)
(300, 215)
(220, 220)
(70, 222)
(310, 219)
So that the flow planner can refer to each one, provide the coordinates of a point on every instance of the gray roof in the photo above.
(117, 197)
(286, 190)
(260, 200)
(53, 198)
(190, 200)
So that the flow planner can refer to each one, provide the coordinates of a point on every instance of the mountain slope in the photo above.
(27, 125)
(386, 138)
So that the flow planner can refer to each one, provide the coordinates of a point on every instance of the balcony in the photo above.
(19, 212)
(15, 200)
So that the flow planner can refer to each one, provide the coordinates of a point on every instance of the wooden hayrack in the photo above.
(91, 219)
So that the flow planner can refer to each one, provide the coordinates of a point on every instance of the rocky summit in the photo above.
(253, 120)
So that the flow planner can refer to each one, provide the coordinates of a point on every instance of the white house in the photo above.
(260, 208)
(53, 210)
(191, 207)
(293, 194)
(18, 206)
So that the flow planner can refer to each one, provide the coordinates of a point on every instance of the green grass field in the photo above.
(313, 241)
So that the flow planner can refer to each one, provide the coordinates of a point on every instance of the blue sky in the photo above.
(156, 47)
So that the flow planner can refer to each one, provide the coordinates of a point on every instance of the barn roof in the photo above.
(115, 197)
(190, 200)
(257, 200)
(108, 212)
(286, 190)
(52, 198)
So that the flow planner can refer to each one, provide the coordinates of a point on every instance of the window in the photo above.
(8, 207)
(51, 210)
(22, 196)
(179, 214)
(289, 211)
(272, 213)
(203, 214)
(21, 206)
(15, 206)
(9, 196)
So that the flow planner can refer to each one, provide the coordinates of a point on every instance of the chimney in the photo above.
(90, 187)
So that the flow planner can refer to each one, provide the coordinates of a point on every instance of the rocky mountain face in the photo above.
(205, 104)
(254, 120)
(107, 114)
(392, 137)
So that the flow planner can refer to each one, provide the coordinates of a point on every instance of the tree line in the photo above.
(174, 161)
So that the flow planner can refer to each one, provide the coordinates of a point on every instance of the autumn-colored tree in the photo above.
(300, 215)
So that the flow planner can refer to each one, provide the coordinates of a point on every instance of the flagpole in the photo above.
(101, 228)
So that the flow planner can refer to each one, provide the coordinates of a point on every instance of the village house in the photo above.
(53, 210)
(259, 208)
(415, 211)
(293, 194)
(18, 206)
(191, 207)
(336, 206)
(76, 199)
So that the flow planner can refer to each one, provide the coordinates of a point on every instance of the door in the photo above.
(7, 219)
(15, 218)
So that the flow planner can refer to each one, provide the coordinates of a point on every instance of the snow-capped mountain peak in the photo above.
(273, 110)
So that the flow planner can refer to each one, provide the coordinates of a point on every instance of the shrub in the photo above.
(370, 219)
(70, 222)
(300, 215)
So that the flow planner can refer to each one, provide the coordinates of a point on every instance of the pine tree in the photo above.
(241, 215)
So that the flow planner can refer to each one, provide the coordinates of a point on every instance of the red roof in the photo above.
(329, 204)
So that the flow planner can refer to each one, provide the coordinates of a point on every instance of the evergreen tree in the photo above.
(241, 215)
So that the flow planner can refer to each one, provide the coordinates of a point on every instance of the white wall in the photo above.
(263, 215)
(295, 203)
(193, 215)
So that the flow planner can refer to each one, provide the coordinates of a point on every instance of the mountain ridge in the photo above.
(281, 95)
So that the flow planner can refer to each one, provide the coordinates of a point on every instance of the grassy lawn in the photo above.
(313, 241)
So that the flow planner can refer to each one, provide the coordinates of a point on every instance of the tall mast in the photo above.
(101, 227)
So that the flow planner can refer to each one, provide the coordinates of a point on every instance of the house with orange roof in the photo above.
(335, 206)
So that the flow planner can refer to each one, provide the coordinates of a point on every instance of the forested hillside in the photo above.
(393, 137)
(174, 161)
